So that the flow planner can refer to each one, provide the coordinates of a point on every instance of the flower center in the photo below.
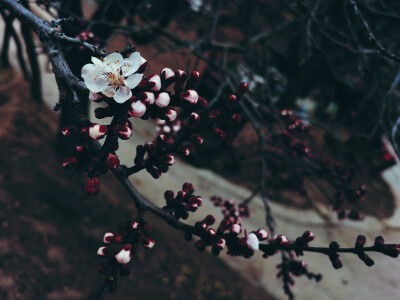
(115, 80)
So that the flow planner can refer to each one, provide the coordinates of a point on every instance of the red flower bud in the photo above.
(69, 130)
(92, 186)
(112, 161)
(190, 96)
(70, 162)
(242, 88)
(197, 138)
(97, 131)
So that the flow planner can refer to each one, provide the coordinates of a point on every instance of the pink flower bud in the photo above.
(190, 95)
(199, 200)
(148, 98)
(237, 118)
(69, 130)
(186, 150)
(124, 255)
(193, 79)
(108, 237)
(143, 65)
(137, 109)
(308, 236)
(79, 149)
(214, 114)
(187, 188)
(232, 100)
(211, 232)
(180, 77)
(194, 118)
(168, 159)
(242, 88)
(156, 82)
(97, 131)
(70, 162)
(202, 103)
(148, 243)
(197, 138)
(262, 234)
(112, 161)
(163, 99)
(171, 114)
(102, 251)
(236, 228)
(221, 243)
(281, 240)
(135, 224)
(220, 133)
(124, 132)
(167, 77)
(167, 73)
(361, 240)
(253, 242)
(92, 186)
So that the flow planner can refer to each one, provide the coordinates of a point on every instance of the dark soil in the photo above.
(50, 230)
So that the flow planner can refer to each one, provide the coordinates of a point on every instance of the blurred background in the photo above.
(316, 139)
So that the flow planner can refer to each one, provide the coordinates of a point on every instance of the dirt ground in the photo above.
(50, 230)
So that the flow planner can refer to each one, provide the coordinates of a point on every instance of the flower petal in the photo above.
(133, 80)
(131, 64)
(113, 61)
(122, 94)
(97, 62)
(88, 69)
(108, 91)
(94, 82)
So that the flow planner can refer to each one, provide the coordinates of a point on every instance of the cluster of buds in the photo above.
(291, 267)
(119, 248)
(230, 210)
(183, 202)
(288, 138)
(227, 235)
(224, 120)
(81, 158)
(153, 157)
(228, 231)
(343, 178)
(88, 37)
(392, 250)
(118, 82)
(302, 242)
(294, 125)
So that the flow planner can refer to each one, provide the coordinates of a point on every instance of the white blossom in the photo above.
(114, 77)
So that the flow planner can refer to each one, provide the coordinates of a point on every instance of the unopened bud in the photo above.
(155, 83)
(262, 234)
(190, 96)
(69, 130)
(171, 114)
(197, 138)
(97, 131)
(112, 161)
(163, 99)
(124, 255)
(137, 109)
